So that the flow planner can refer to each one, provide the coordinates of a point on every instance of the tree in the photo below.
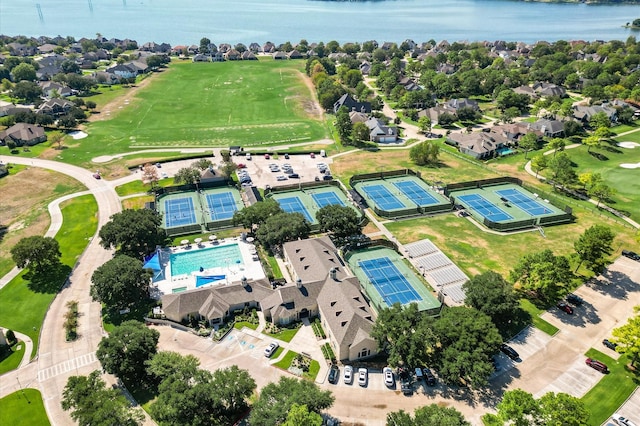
(425, 153)
(344, 125)
(404, 333)
(520, 408)
(154, 61)
(491, 294)
(539, 163)
(204, 45)
(127, 350)
(424, 124)
(593, 245)
(467, 339)
(165, 364)
(150, 175)
(562, 408)
(599, 119)
(528, 142)
(341, 221)
(276, 399)
(133, 232)
(360, 133)
(93, 404)
(227, 168)
(24, 72)
(36, 253)
(446, 119)
(601, 192)
(202, 164)
(562, 168)
(628, 337)
(543, 274)
(187, 176)
(432, 415)
(120, 283)
(299, 415)
(257, 214)
(282, 227)
(27, 91)
(591, 141)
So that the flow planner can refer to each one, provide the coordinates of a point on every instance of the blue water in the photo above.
(246, 21)
(213, 257)
(504, 151)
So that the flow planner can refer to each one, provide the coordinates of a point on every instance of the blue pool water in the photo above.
(505, 151)
(212, 257)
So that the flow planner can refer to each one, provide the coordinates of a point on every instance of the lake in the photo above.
(246, 21)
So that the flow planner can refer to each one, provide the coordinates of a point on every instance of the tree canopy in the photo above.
(133, 232)
(543, 273)
(127, 350)
(299, 415)
(491, 294)
(257, 213)
(187, 175)
(627, 337)
(93, 404)
(425, 153)
(36, 253)
(277, 399)
(340, 221)
(120, 282)
(432, 415)
(283, 227)
(593, 246)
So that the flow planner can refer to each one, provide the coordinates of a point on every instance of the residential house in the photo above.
(255, 47)
(549, 89)
(294, 54)
(365, 67)
(156, 48)
(12, 109)
(584, 113)
(55, 107)
(358, 117)
(489, 142)
(279, 55)
(526, 90)
(200, 57)
(103, 77)
(19, 49)
(54, 59)
(51, 88)
(351, 104)
(47, 72)
(248, 56)
(268, 47)
(217, 56)
(23, 134)
(550, 128)
(224, 47)
(456, 104)
(46, 48)
(232, 55)
(123, 71)
(380, 132)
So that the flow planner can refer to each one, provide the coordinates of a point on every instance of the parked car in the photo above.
(334, 374)
(597, 365)
(348, 375)
(509, 351)
(286, 156)
(418, 372)
(269, 350)
(327, 177)
(574, 299)
(623, 421)
(429, 377)
(317, 179)
(608, 343)
(97, 176)
(363, 376)
(631, 255)
(388, 377)
(294, 176)
(405, 386)
(266, 156)
(158, 165)
(564, 306)
(281, 177)
(241, 165)
(312, 155)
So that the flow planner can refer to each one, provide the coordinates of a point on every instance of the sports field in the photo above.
(386, 279)
(308, 201)
(213, 104)
(191, 208)
(397, 194)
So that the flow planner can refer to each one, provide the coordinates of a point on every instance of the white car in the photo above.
(281, 177)
(348, 374)
(622, 421)
(269, 350)
(362, 376)
(388, 377)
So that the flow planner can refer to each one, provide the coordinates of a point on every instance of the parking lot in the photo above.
(261, 174)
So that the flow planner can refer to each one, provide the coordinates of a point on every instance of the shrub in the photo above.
(11, 337)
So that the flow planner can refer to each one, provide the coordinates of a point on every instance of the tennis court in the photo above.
(416, 193)
(524, 202)
(484, 207)
(179, 212)
(389, 281)
(382, 197)
(294, 205)
(323, 199)
(221, 205)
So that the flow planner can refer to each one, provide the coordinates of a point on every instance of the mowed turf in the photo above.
(23, 408)
(211, 104)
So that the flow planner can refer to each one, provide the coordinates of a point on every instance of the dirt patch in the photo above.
(311, 107)
(136, 203)
(25, 197)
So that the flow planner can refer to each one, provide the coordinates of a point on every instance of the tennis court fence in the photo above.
(480, 183)
(302, 185)
(381, 175)
(193, 187)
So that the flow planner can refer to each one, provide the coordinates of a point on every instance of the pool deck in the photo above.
(250, 268)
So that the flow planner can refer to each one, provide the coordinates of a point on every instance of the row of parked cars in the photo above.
(405, 376)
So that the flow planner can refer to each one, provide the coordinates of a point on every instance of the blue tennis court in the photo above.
(294, 205)
(323, 199)
(524, 202)
(416, 193)
(221, 205)
(484, 207)
(179, 212)
(389, 281)
(382, 197)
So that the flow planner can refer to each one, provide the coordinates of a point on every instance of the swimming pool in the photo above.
(207, 258)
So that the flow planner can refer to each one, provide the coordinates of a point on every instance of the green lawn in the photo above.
(612, 390)
(23, 303)
(23, 408)
(208, 104)
(137, 187)
(285, 334)
(286, 360)
(607, 162)
(11, 360)
(538, 322)
(240, 324)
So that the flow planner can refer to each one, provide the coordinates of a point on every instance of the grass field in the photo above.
(23, 408)
(11, 360)
(23, 303)
(262, 102)
(612, 390)
(137, 187)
